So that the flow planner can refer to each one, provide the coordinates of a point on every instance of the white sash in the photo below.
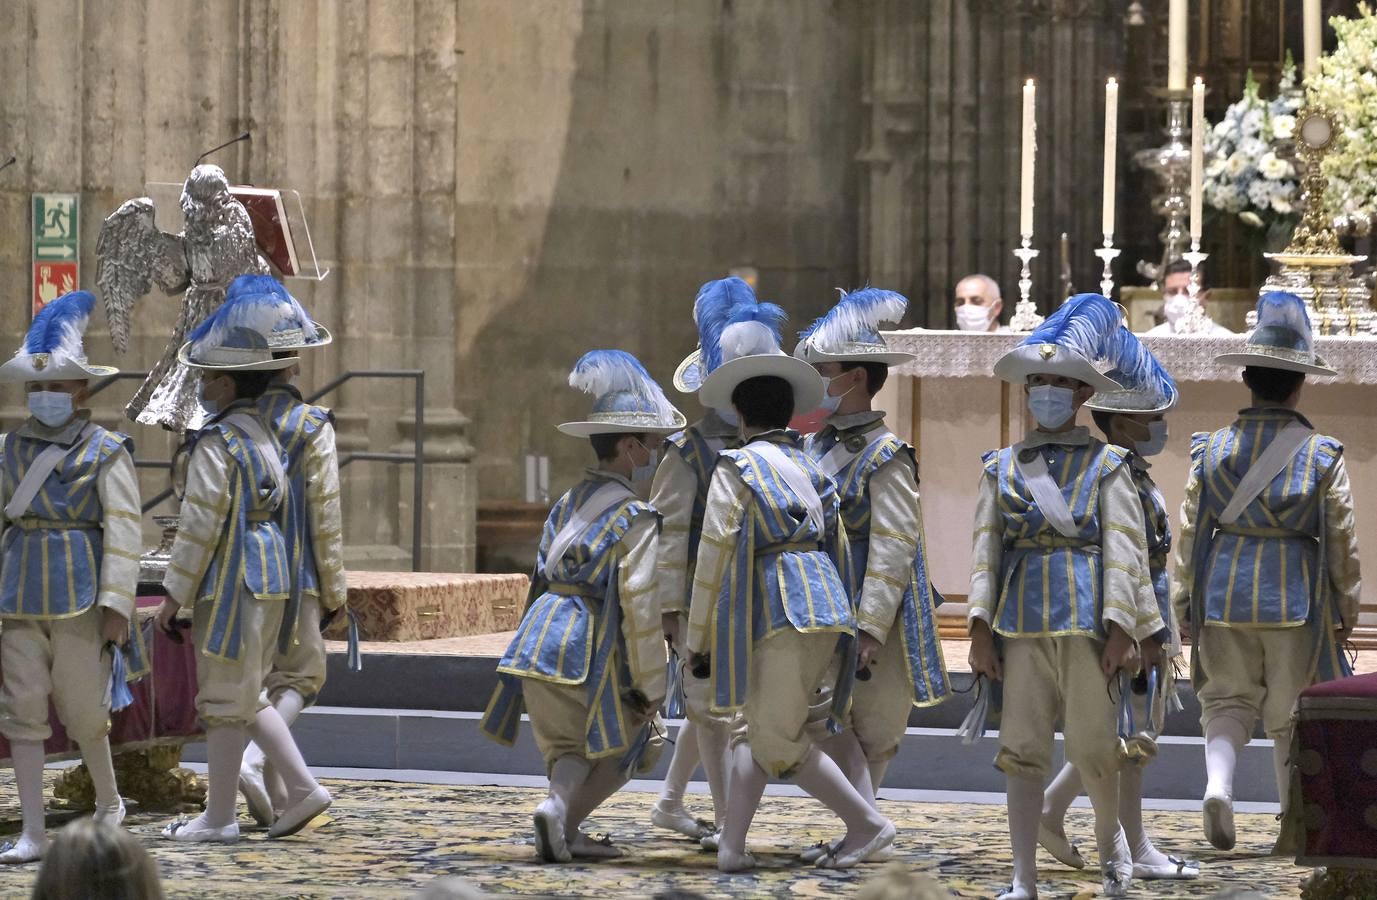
(797, 480)
(1046, 493)
(39, 470)
(267, 448)
(1278, 455)
(838, 458)
(599, 502)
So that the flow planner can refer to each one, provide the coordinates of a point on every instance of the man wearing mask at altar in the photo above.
(1176, 298)
(978, 304)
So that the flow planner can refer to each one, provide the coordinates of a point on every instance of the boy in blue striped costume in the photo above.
(1267, 565)
(312, 528)
(1059, 573)
(679, 494)
(229, 564)
(1135, 418)
(588, 659)
(899, 654)
(71, 547)
(769, 611)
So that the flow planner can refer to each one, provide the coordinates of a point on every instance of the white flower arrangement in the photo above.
(1347, 87)
(1244, 176)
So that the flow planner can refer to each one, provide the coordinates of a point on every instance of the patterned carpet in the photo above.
(386, 839)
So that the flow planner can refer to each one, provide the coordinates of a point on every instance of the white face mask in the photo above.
(1051, 406)
(52, 408)
(212, 407)
(970, 317)
(1157, 439)
(829, 403)
(1177, 306)
(643, 475)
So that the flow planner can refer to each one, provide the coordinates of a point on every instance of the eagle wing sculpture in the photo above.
(132, 255)
(215, 246)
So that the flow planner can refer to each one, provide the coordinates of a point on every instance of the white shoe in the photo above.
(1219, 822)
(678, 820)
(1016, 893)
(111, 817)
(196, 831)
(22, 851)
(711, 841)
(549, 832)
(874, 845)
(1062, 850)
(299, 815)
(1115, 882)
(1174, 869)
(255, 793)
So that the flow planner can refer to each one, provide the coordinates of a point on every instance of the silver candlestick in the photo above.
(1107, 253)
(1194, 321)
(1171, 163)
(1025, 316)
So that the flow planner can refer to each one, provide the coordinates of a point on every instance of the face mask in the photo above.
(1176, 307)
(52, 408)
(729, 417)
(1157, 439)
(211, 407)
(830, 403)
(970, 317)
(1051, 405)
(646, 473)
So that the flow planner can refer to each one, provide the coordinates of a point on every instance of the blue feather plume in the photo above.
(712, 312)
(857, 314)
(1087, 324)
(603, 372)
(754, 330)
(59, 326)
(255, 302)
(1281, 308)
(1137, 369)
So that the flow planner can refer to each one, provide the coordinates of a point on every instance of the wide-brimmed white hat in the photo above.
(1067, 343)
(295, 328)
(238, 336)
(750, 349)
(627, 400)
(53, 348)
(1144, 385)
(850, 331)
(1282, 338)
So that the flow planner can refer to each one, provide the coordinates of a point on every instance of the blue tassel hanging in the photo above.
(631, 760)
(675, 702)
(354, 656)
(120, 696)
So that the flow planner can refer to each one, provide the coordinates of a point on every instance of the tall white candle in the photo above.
(1177, 18)
(1311, 31)
(1197, 154)
(1025, 206)
(1111, 138)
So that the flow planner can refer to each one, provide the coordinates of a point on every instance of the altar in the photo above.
(952, 409)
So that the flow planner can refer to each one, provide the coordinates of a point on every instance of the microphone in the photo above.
(243, 137)
(7, 163)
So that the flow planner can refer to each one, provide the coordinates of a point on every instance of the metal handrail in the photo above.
(416, 458)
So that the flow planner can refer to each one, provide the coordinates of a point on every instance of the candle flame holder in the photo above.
(1107, 254)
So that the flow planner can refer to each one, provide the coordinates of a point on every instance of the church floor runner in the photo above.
(386, 839)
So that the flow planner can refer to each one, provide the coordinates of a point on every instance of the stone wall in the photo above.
(497, 186)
